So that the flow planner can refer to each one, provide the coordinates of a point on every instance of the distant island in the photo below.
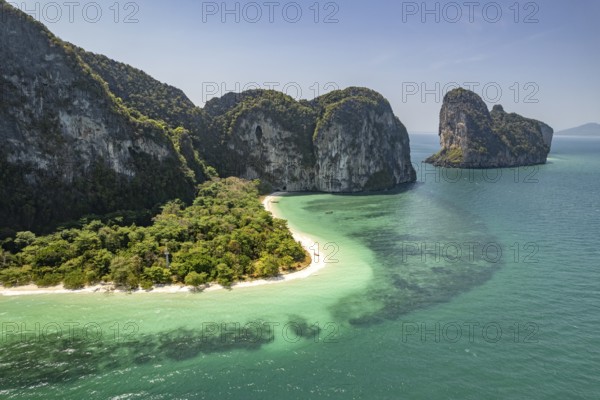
(473, 137)
(591, 129)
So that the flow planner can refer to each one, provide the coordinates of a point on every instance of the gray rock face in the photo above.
(272, 137)
(271, 154)
(70, 147)
(472, 137)
(361, 148)
(66, 147)
(547, 133)
(348, 141)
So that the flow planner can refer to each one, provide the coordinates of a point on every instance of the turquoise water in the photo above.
(466, 285)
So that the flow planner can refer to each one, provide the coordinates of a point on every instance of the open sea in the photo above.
(465, 285)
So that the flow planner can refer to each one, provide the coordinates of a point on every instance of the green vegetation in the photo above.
(279, 107)
(109, 137)
(304, 118)
(70, 183)
(448, 157)
(148, 101)
(252, 106)
(139, 91)
(225, 236)
(454, 155)
(347, 106)
(494, 138)
(364, 94)
(521, 135)
(99, 190)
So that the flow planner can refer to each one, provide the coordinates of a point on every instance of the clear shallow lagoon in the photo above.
(466, 285)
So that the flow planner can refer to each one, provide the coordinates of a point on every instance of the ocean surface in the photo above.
(465, 285)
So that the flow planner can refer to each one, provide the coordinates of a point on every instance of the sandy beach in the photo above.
(304, 240)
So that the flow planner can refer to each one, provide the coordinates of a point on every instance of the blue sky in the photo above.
(541, 61)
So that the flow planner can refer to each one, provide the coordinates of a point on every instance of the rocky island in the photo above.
(110, 177)
(473, 137)
(83, 134)
(590, 129)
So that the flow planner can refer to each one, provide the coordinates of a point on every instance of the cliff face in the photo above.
(360, 144)
(67, 147)
(140, 92)
(346, 141)
(472, 137)
(82, 134)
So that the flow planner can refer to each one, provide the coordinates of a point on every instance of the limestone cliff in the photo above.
(82, 134)
(67, 146)
(161, 102)
(472, 137)
(345, 141)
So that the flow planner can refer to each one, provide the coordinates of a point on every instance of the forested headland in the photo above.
(224, 236)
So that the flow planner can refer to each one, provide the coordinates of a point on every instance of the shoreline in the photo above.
(305, 240)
